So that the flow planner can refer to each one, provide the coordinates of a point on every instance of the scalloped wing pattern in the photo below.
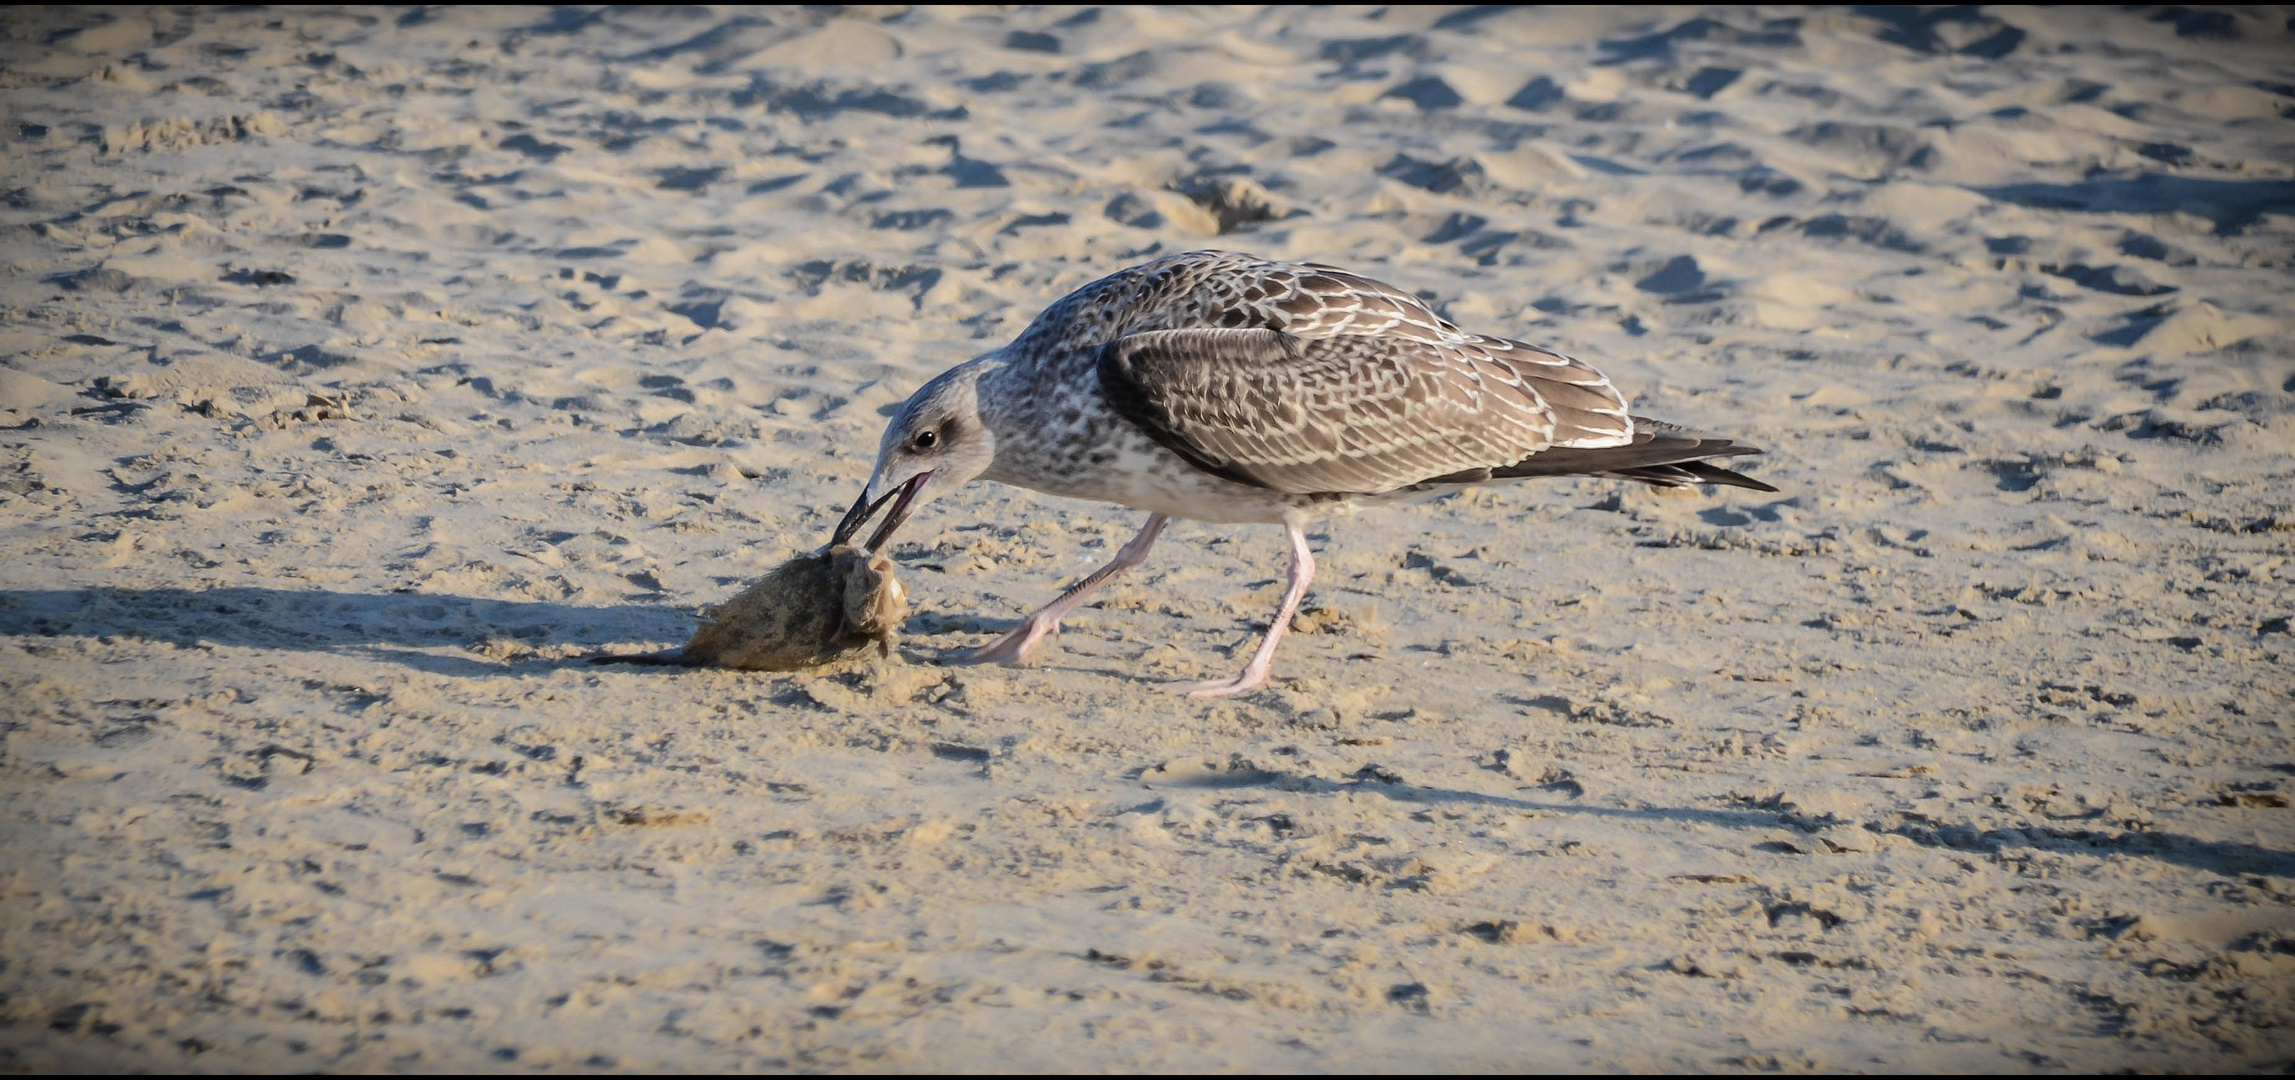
(1305, 378)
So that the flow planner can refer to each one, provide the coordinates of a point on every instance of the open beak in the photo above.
(863, 510)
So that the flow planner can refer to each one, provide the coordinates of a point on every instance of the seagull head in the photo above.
(935, 443)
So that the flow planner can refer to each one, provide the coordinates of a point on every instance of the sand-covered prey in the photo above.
(812, 611)
(364, 370)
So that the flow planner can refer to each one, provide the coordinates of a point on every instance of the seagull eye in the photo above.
(925, 439)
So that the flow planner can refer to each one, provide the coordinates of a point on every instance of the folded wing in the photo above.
(1354, 413)
(1308, 379)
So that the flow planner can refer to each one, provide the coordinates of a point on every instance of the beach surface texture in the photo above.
(364, 370)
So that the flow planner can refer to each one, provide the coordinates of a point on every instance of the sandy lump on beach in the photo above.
(362, 371)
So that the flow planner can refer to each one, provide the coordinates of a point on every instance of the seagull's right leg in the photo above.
(1015, 646)
(1263, 661)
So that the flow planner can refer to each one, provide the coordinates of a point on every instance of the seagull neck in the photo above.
(1000, 394)
(1023, 401)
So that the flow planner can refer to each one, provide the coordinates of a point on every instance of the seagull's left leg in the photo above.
(1015, 646)
(1255, 675)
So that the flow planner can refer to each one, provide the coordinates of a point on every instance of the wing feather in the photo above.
(1308, 379)
(1340, 414)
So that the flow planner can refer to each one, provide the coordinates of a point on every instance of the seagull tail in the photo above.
(1662, 454)
(1683, 474)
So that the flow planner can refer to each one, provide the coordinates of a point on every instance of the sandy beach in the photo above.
(363, 370)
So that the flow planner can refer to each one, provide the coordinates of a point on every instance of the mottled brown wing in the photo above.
(1348, 413)
(1227, 290)
(1588, 410)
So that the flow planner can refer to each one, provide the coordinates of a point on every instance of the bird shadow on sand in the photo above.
(2229, 859)
(396, 627)
(1373, 778)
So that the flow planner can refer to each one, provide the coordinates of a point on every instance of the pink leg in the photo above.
(1255, 675)
(1015, 646)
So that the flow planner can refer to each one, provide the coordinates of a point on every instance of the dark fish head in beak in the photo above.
(902, 499)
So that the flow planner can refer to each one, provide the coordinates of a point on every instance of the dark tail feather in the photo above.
(1663, 454)
(1683, 474)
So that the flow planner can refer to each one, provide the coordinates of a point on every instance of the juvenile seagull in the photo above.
(1224, 387)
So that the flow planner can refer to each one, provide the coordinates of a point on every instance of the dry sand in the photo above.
(363, 368)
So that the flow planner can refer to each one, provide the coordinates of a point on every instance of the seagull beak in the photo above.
(902, 500)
